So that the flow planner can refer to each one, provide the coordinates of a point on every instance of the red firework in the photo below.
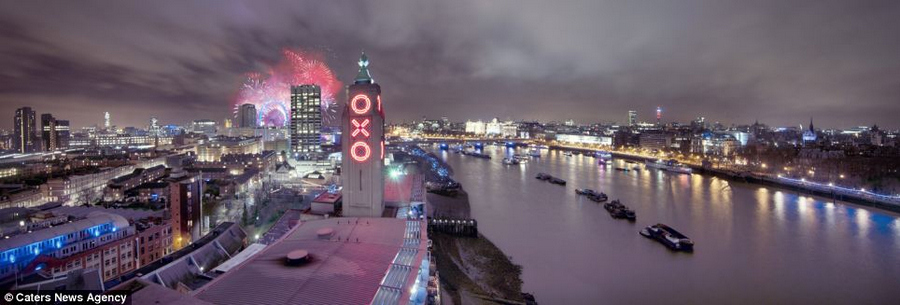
(270, 91)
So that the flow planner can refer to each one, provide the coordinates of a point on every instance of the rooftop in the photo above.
(349, 266)
(91, 220)
(327, 197)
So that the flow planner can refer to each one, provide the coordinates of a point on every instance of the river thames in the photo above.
(754, 244)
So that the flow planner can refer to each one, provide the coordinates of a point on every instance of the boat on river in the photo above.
(670, 165)
(669, 237)
(555, 180)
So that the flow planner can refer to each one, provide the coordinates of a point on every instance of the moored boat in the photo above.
(555, 180)
(598, 197)
(670, 165)
(669, 237)
(585, 191)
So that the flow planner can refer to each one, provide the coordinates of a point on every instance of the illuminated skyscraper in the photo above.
(106, 123)
(632, 117)
(54, 133)
(658, 115)
(25, 134)
(306, 121)
(362, 147)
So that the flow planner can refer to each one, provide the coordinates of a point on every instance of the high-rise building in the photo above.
(247, 116)
(106, 123)
(658, 115)
(362, 146)
(184, 204)
(306, 121)
(25, 133)
(632, 117)
(54, 133)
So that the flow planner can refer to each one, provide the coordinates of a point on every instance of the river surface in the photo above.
(754, 244)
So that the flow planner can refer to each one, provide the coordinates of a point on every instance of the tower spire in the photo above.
(363, 77)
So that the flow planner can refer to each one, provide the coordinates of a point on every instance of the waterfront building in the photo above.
(719, 144)
(494, 127)
(656, 140)
(25, 134)
(584, 139)
(362, 145)
(246, 116)
(306, 121)
(476, 127)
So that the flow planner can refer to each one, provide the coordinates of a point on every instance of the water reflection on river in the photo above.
(754, 244)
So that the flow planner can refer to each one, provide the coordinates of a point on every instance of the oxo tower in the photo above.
(362, 146)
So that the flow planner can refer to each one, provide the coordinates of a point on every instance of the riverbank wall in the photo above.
(826, 191)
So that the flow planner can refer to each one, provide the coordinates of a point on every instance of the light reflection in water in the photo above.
(786, 247)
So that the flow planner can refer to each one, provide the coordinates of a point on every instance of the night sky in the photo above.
(780, 62)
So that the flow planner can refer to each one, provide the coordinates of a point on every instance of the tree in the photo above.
(244, 217)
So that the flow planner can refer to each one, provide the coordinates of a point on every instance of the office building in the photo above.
(632, 117)
(54, 133)
(246, 116)
(306, 121)
(25, 135)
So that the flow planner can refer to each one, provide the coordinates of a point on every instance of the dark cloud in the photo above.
(732, 61)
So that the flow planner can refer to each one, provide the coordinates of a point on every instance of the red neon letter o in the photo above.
(360, 99)
(360, 151)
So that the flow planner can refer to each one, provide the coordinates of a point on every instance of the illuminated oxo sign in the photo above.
(360, 127)
(360, 151)
(360, 104)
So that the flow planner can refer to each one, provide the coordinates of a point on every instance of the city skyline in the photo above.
(727, 61)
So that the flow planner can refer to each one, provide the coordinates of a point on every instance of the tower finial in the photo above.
(363, 77)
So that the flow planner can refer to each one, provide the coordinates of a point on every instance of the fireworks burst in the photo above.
(270, 91)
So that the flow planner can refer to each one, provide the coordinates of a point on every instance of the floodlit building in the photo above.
(25, 134)
(306, 121)
(477, 127)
